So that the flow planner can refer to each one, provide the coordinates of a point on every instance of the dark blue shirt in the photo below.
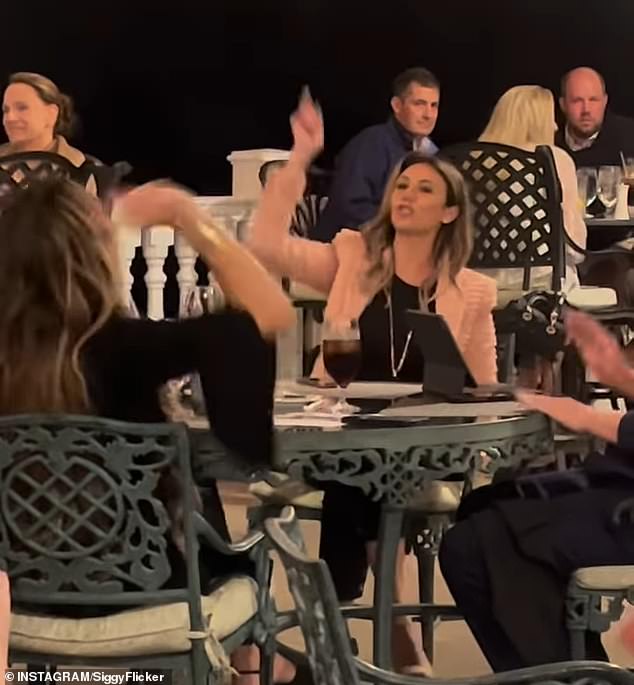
(361, 173)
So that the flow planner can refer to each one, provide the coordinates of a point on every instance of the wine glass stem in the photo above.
(341, 400)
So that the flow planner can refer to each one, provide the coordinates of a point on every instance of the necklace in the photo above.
(396, 369)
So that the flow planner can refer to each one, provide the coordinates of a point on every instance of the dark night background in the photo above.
(173, 87)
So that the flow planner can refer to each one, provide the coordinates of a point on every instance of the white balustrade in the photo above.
(129, 239)
(246, 168)
(232, 213)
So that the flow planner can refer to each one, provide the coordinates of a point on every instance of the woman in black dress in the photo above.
(66, 344)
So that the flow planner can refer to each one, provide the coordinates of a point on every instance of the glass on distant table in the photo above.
(201, 299)
(198, 300)
(342, 358)
(608, 182)
(628, 171)
(586, 187)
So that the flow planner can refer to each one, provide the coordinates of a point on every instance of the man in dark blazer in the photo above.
(365, 163)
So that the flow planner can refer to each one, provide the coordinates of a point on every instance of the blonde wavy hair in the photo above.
(58, 287)
(523, 117)
(454, 241)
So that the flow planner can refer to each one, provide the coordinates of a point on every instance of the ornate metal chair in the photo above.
(82, 527)
(16, 170)
(517, 215)
(516, 197)
(596, 595)
(328, 641)
(315, 197)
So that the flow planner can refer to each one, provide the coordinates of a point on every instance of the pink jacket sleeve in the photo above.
(480, 353)
(306, 261)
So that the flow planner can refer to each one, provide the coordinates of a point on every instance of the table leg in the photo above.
(390, 530)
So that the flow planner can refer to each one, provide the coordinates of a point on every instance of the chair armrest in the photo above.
(208, 534)
(564, 672)
(594, 253)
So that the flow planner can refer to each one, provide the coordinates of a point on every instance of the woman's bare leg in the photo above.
(406, 649)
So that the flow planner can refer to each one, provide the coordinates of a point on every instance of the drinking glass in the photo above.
(587, 187)
(342, 358)
(197, 300)
(201, 299)
(608, 182)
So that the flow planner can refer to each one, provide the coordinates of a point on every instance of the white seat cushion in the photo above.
(288, 492)
(590, 297)
(163, 629)
(438, 497)
(605, 577)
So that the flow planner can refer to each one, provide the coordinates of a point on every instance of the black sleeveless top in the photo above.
(374, 328)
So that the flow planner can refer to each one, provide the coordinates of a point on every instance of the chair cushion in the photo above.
(163, 629)
(438, 497)
(590, 297)
(605, 577)
(295, 493)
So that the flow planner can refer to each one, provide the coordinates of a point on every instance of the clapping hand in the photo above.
(600, 352)
(566, 411)
(308, 130)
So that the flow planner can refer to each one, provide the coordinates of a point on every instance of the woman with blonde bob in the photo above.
(412, 255)
(524, 117)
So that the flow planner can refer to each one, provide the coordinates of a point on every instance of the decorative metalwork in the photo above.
(78, 509)
(397, 473)
(328, 641)
(516, 198)
(312, 203)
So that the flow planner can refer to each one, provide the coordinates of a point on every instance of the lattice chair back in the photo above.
(17, 170)
(324, 630)
(313, 202)
(516, 198)
(80, 523)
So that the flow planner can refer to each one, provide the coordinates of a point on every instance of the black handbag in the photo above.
(536, 319)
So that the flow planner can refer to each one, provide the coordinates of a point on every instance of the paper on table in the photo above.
(311, 419)
(467, 409)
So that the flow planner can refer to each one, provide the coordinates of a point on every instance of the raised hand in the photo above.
(158, 202)
(600, 351)
(307, 126)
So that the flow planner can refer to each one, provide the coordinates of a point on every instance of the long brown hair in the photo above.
(454, 241)
(58, 286)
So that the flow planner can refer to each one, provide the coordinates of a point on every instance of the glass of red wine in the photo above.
(342, 358)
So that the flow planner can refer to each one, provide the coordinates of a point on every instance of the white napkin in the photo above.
(309, 419)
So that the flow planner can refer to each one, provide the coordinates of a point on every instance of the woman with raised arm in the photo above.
(66, 344)
(412, 255)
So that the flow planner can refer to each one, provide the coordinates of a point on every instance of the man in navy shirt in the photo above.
(365, 163)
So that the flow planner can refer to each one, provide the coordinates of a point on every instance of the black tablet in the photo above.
(445, 370)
